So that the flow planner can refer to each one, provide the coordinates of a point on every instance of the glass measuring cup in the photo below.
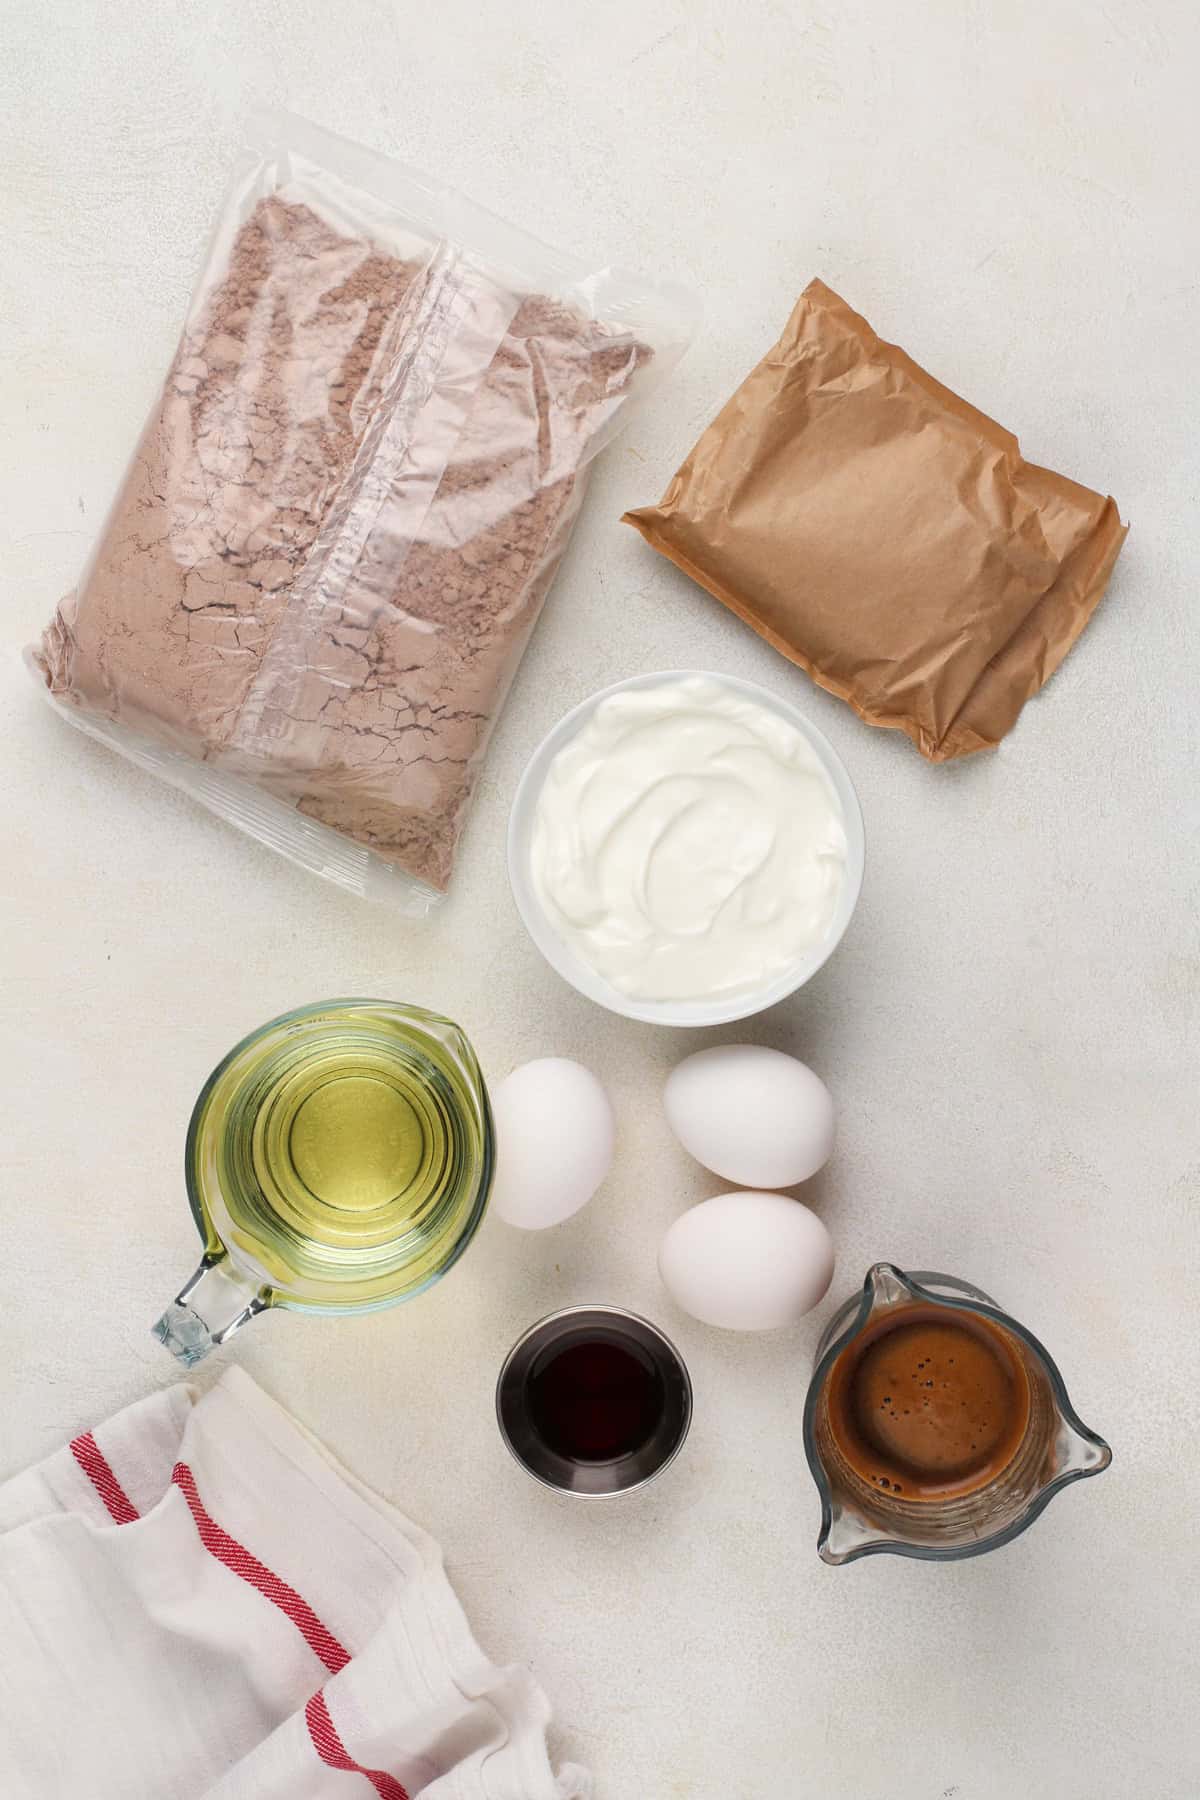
(1052, 1449)
(338, 1160)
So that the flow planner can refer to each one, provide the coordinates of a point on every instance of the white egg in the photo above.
(554, 1141)
(751, 1115)
(747, 1262)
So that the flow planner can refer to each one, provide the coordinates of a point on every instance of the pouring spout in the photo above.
(886, 1285)
(215, 1303)
(1081, 1451)
(846, 1537)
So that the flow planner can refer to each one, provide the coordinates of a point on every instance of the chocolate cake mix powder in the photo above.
(339, 528)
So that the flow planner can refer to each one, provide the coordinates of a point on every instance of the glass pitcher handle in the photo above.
(215, 1303)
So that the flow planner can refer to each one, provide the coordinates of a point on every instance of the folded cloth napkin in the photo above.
(198, 1603)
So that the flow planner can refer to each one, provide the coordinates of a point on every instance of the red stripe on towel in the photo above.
(332, 1751)
(236, 1557)
(321, 1729)
(97, 1468)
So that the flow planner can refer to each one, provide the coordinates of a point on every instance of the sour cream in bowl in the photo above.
(685, 848)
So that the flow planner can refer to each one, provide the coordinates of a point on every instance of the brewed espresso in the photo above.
(928, 1404)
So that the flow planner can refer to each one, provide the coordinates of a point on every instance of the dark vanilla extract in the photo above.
(595, 1399)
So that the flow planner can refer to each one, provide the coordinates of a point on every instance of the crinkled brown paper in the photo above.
(885, 535)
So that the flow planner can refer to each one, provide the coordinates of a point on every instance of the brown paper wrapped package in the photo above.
(885, 535)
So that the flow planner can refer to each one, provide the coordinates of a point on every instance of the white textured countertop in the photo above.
(1011, 1028)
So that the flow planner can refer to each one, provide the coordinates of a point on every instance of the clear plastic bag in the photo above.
(343, 516)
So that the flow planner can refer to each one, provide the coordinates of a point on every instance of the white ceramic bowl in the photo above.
(580, 974)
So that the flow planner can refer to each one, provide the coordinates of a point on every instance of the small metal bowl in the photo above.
(616, 1475)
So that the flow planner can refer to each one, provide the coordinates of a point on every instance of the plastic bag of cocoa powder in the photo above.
(344, 513)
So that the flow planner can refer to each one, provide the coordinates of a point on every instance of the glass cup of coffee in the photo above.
(594, 1400)
(936, 1426)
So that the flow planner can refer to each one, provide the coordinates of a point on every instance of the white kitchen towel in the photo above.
(198, 1603)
